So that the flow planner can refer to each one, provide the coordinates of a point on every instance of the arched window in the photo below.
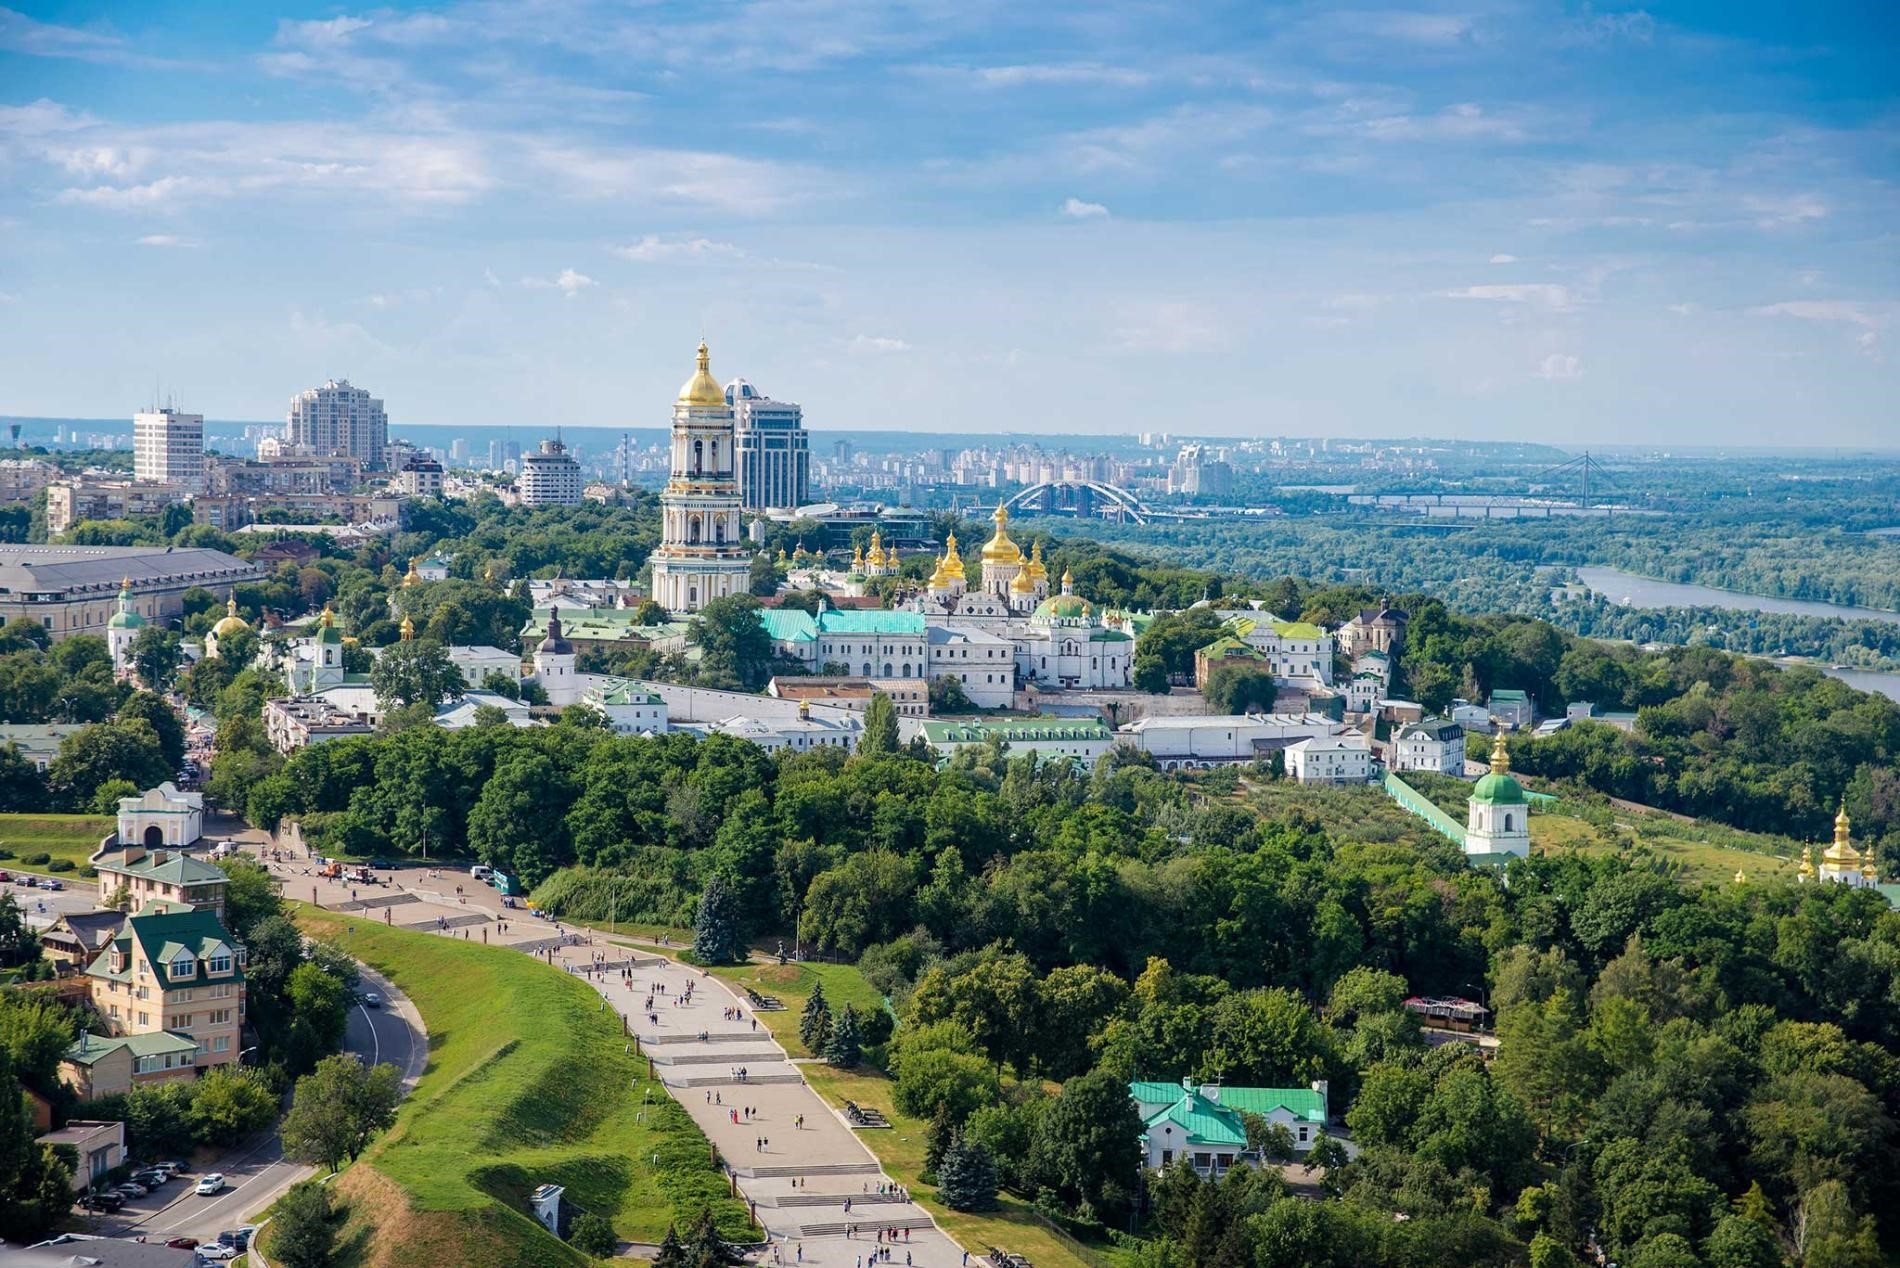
(906, 669)
(1507, 822)
(692, 530)
(887, 669)
(867, 669)
(719, 531)
(699, 447)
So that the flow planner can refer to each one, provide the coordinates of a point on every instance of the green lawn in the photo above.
(528, 1082)
(1014, 1225)
(70, 837)
(1703, 852)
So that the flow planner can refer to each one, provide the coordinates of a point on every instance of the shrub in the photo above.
(89, 873)
(60, 865)
(5, 853)
(593, 1235)
(36, 860)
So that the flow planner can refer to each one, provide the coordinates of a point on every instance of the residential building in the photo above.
(460, 713)
(1224, 652)
(168, 447)
(365, 515)
(296, 721)
(96, 1066)
(549, 477)
(99, 1146)
(76, 938)
(631, 708)
(876, 644)
(38, 742)
(91, 497)
(22, 478)
(702, 554)
(1474, 718)
(1185, 741)
(772, 459)
(421, 477)
(1498, 821)
(162, 816)
(1513, 708)
(1299, 653)
(306, 475)
(1364, 691)
(1435, 744)
(160, 876)
(1203, 1125)
(909, 696)
(76, 589)
(1083, 740)
(338, 418)
(476, 663)
(168, 972)
(983, 662)
(1345, 758)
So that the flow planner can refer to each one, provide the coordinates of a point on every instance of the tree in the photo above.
(843, 1049)
(947, 695)
(105, 801)
(762, 580)
(417, 671)
(153, 656)
(164, 723)
(814, 1023)
(1240, 689)
(22, 787)
(320, 1002)
(250, 895)
(230, 1103)
(128, 750)
(1085, 1147)
(593, 1235)
(880, 727)
(1151, 675)
(338, 1108)
(649, 613)
(19, 943)
(966, 1178)
(717, 938)
(301, 1231)
(737, 650)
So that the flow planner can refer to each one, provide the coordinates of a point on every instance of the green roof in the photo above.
(789, 625)
(871, 621)
(1245, 625)
(1230, 648)
(598, 625)
(1156, 1093)
(89, 1048)
(625, 691)
(177, 869)
(1498, 790)
(1204, 1122)
(162, 935)
(1301, 1102)
(1510, 694)
(1020, 730)
(1061, 607)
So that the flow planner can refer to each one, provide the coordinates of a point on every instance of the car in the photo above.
(5, 876)
(218, 1250)
(213, 1183)
(104, 1200)
(175, 1168)
(183, 1243)
(372, 1000)
(480, 871)
(238, 1237)
(132, 1188)
(51, 882)
(382, 865)
(152, 1179)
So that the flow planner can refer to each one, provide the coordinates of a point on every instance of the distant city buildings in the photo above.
(338, 418)
(549, 477)
(421, 477)
(772, 461)
(97, 497)
(168, 447)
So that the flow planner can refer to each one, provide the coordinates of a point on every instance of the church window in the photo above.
(1507, 823)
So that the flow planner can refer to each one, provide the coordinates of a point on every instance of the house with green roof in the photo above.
(1205, 1125)
(866, 643)
(1080, 739)
(1299, 653)
(170, 984)
(150, 875)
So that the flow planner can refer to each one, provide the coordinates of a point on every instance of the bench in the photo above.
(763, 1002)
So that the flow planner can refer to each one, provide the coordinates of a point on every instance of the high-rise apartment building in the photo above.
(169, 448)
(772, 459)
(340, 419)
(550, 477)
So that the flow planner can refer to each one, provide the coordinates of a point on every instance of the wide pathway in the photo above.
(814, 1187)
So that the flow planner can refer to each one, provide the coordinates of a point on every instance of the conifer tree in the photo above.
(716, 937)
(966, 1178)
(814, 1024)
(844, 1049)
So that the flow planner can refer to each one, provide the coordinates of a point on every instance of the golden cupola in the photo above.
(857, 559)
(408, 629)
(702, 391)
(412, 577)
(1036, 571)
(232, 622)
(875, 557)
(1842, 853)
(1000, 549)
(1022, 584)
(952, 565)
(1807, 865)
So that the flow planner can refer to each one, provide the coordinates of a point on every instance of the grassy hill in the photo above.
(1699, 851)
(69, 837)
(528, 1082)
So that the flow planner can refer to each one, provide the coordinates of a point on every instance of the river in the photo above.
(1647, 592)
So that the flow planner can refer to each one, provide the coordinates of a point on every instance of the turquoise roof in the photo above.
(1156, 1093)
(1302, 1102)
(874, 621)
(1509, 694)
(162, 935)
(89, 1048)
(177, 869)
(1204, 1122)
(789, 625)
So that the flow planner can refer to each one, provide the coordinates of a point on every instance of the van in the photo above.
(481, 871)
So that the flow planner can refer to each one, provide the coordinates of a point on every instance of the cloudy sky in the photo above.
(1503, 219)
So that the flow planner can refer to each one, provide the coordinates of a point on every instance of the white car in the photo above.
(217, 1250)
(213, 1183)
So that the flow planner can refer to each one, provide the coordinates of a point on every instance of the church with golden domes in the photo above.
(702, 554)
(1841, 863)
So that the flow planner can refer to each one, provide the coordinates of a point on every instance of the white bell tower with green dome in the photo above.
(1500, 817)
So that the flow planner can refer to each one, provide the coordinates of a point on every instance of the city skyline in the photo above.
(1488, 221)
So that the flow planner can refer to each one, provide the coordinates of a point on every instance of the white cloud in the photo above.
(1873, 319)
(156, 193)
(167, 240)
(569, 282)
(488, 275)
(21, 34)
(1501, 258)
(1548, 294)
(1080, 210)
(1774, 211)
(725, 182)
(1560, 366)
(1174, 326)
(877, 344)
(1465, 121)
(1065, 74)
(653, 249)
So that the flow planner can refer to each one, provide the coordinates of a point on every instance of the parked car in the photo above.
(238, 1237)
(382, 865)
(105, 1200)
(132, 1188)
(153, 1178)
(480, 871)
(183, 1243)
(52, 882)
(5, 877)
(210, 1184)
(218, 1250)
(175, 1168)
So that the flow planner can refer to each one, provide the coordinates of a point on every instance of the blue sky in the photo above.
(1518, 219)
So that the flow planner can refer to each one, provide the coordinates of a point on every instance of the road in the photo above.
(257, 1171)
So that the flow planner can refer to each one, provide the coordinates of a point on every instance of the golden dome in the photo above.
(1868, 870)
(1036, 570)
(232, 622)
(1500, 757)
(1068, 580)
(408, 629)
(412, 577)
(952, 565)
(1807, 864)
(781, 554)
(1000, 549)
(857, 559)
(1842, 853)
(328, 618)
(1022, 584)
(702, 391)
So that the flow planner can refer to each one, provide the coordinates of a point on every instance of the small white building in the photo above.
(631, 708)
(1204, 1126)
(100, 1146)
(1364, 691)
(1471, 717)
(1436, 744)
(1345, 758)
(458, 715)
(162, 816)
(809, 729)
(1195, 740)
(984, 662)
(1084, 740)
(477, 662)
(1499, 814)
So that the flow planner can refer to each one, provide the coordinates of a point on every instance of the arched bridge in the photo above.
(1084, 499)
